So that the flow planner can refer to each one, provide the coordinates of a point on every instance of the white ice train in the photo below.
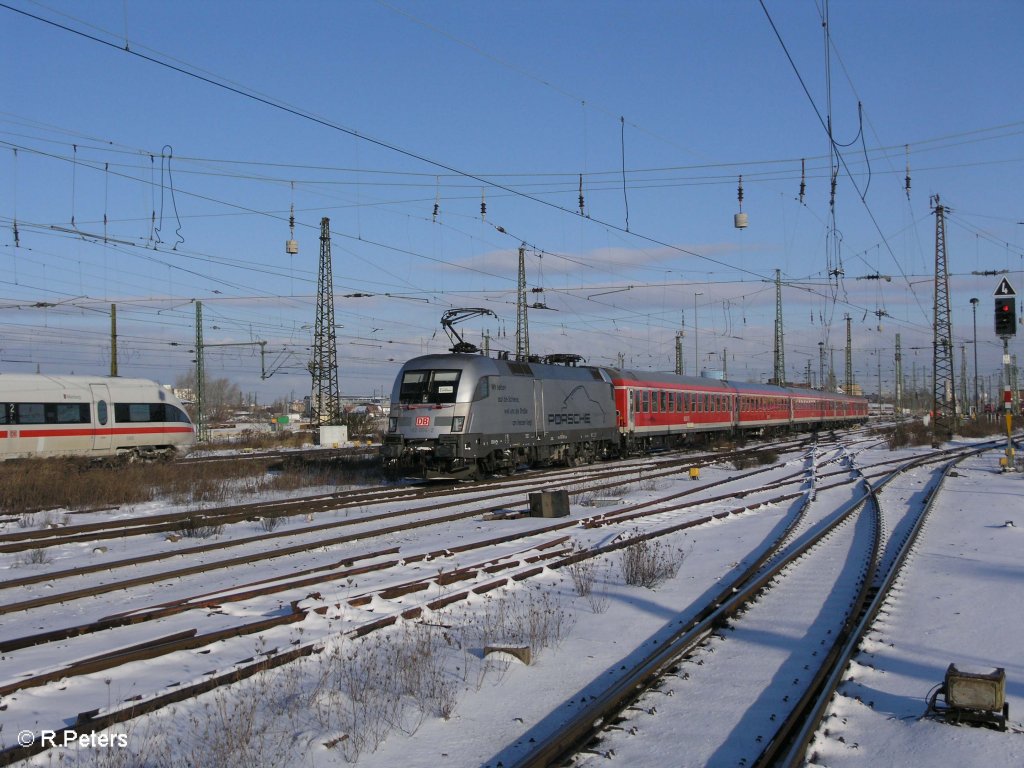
(89, 416)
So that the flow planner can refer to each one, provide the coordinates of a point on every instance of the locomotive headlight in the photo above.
(458, 422)
(392, 424)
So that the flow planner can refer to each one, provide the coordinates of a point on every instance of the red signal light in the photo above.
(1006, 317)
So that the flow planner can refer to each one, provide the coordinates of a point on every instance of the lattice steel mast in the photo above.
(943, 389)
(324, 365)
(201, 432)
(899, 378)
(780, 352)
(680, 335)
(522, 325)
(848, 385)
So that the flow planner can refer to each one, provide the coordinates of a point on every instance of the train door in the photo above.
(102, 415)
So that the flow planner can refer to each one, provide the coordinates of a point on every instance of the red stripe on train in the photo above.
(32, 432)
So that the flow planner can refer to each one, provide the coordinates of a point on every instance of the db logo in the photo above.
(422, 421)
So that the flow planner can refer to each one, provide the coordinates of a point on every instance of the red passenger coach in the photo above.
(659, 410)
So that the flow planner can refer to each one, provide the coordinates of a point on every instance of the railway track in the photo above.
(744, 681)
(147, 631)
(184, 630)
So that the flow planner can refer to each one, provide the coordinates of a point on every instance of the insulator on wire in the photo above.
(437, 196)
(581, 195)
(740, 219)
(291, 245)
(906, 179)
(803, 179)
(483, 205)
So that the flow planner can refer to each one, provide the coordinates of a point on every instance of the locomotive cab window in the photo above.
(125, 413)
(429, 387)
(483, 389)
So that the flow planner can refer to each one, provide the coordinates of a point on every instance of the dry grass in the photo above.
(29, 486)
(755, 459)
(347, 700)
(983, 427)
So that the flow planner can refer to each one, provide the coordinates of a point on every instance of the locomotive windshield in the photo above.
(431, 387)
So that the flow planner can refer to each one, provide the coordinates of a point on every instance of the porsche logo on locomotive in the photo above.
(560, 419)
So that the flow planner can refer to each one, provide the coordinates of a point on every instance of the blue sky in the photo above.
(138, 184)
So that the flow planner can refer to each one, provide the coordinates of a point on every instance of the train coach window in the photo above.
(101, 411)
(6, 413)
(127, 412)
(431, 387)
(31, 413)
(645, 403)
(71, 413)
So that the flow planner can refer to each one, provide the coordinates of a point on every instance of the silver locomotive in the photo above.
(459, 415)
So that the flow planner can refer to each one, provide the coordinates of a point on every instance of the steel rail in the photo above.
(798, 741)
(588, 720)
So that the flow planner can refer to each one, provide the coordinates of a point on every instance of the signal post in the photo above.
(1006, 328)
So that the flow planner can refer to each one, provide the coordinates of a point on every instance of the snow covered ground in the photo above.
(958, 601)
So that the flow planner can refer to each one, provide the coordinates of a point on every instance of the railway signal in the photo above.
(1006, 327)
(1006, 309)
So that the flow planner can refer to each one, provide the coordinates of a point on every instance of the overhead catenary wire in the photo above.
(298, 112)
(424, 208)
(826, 124)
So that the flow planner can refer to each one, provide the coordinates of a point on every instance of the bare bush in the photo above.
(532, 618)
(583, 573)
(351, 696)
(195, 527)
(648, 562)
(245, 727)
(272, 523)
(910, 433)
(387, 681)
(36, 556)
